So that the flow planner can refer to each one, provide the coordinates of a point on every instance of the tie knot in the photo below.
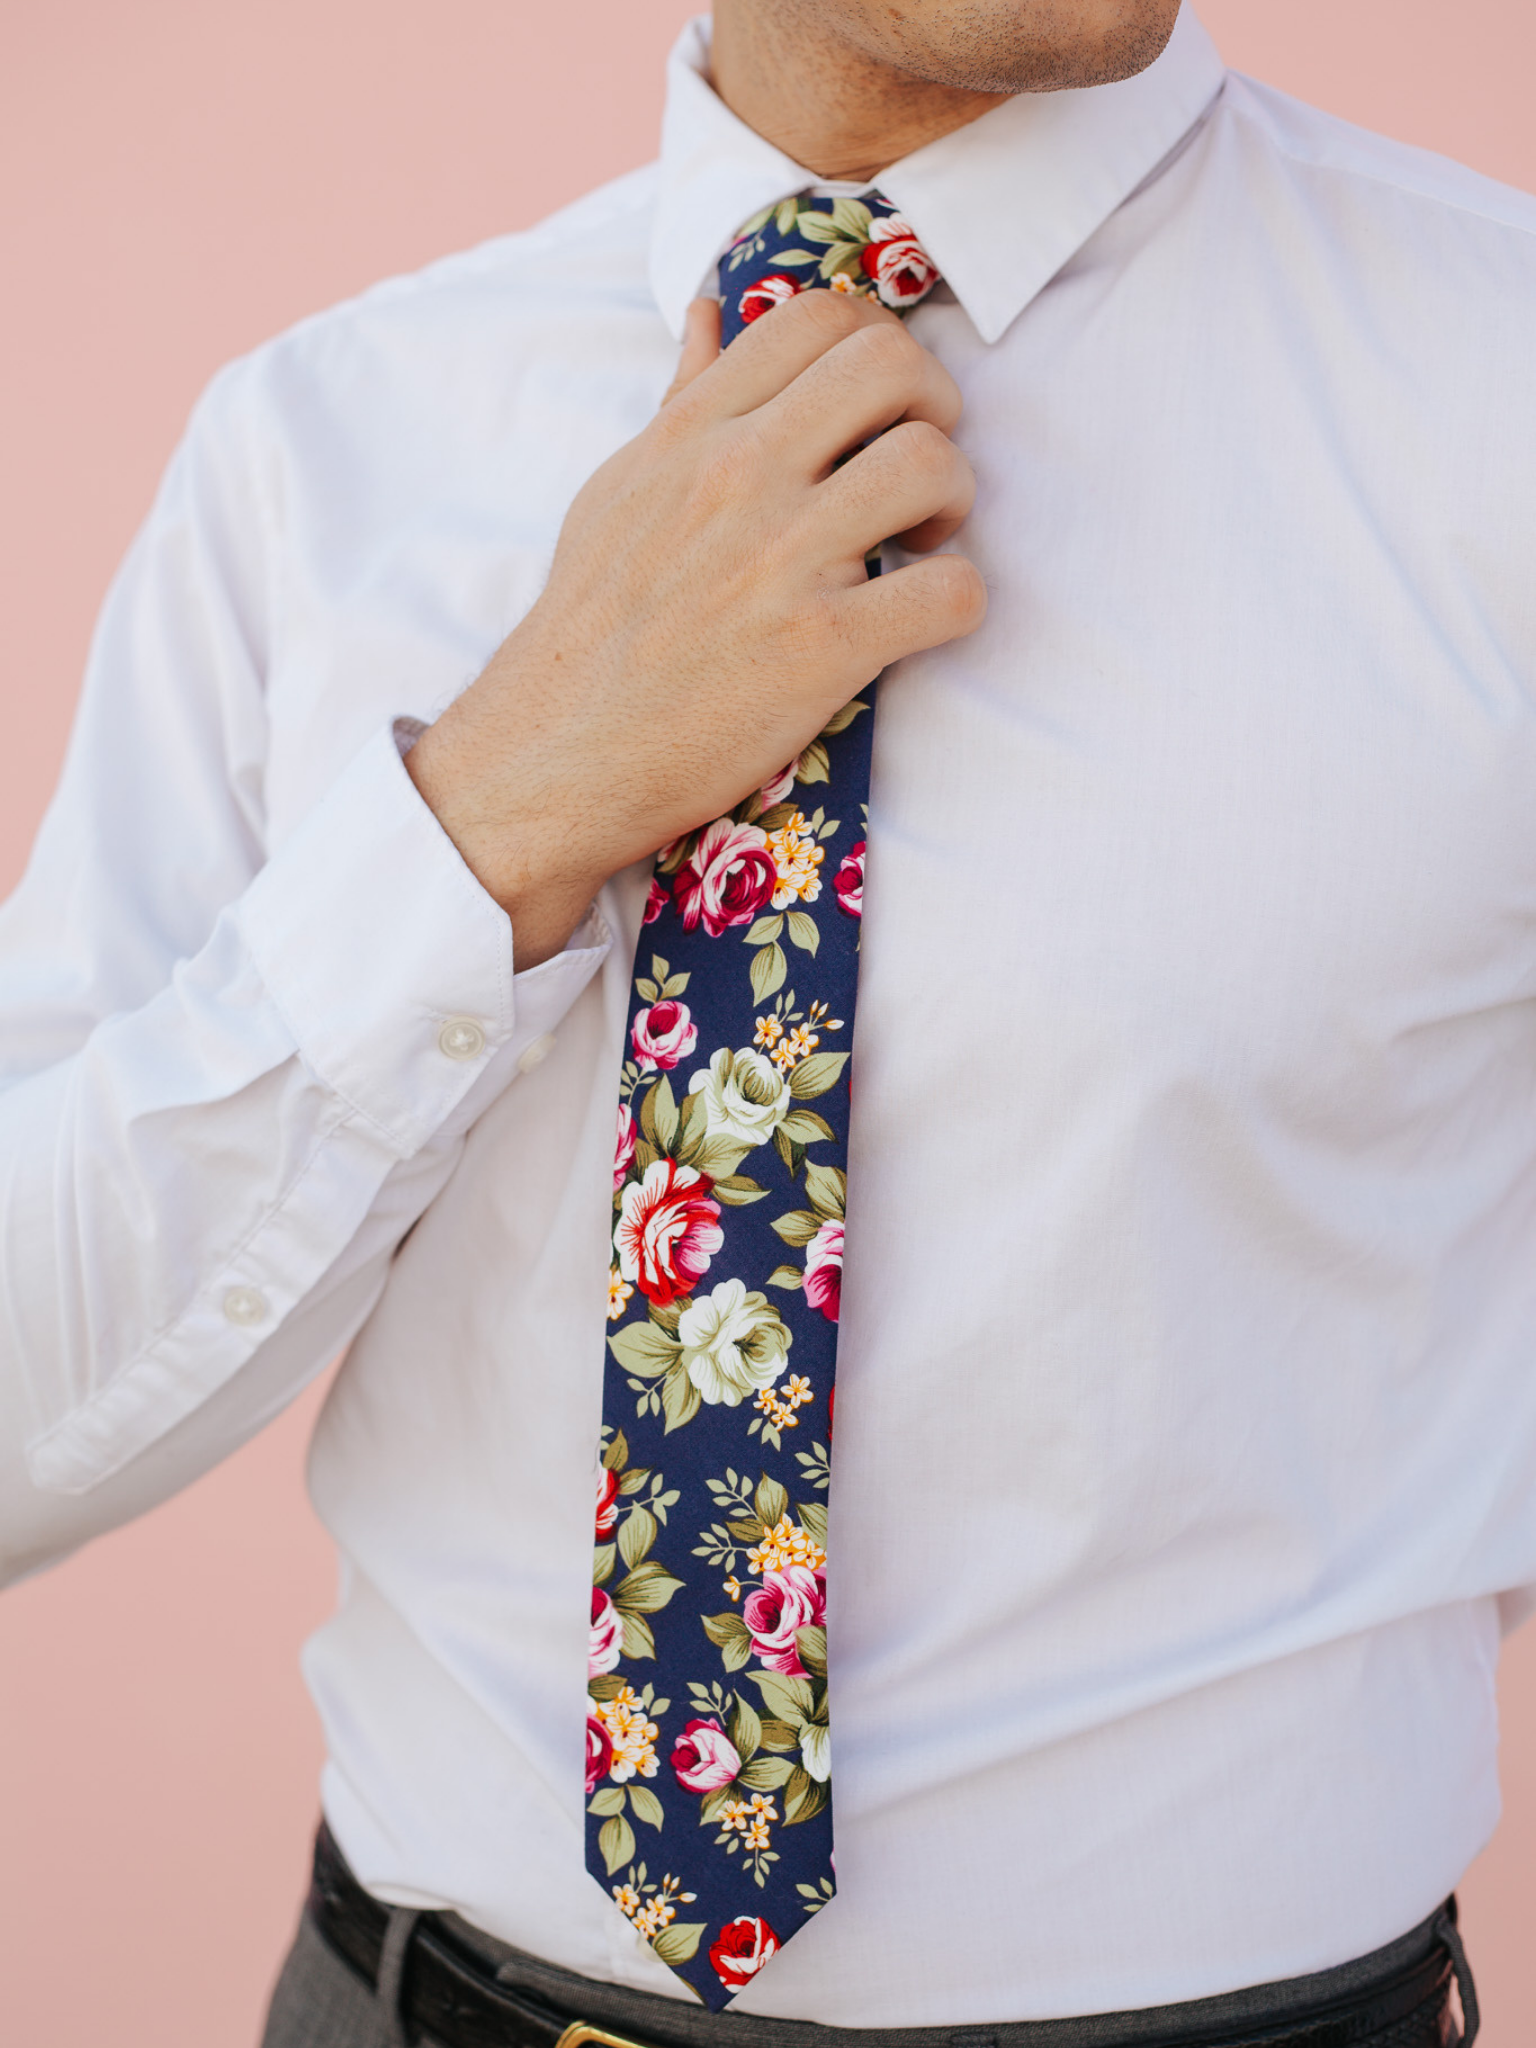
(861, 246)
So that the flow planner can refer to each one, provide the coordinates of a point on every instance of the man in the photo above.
(1184, 1444)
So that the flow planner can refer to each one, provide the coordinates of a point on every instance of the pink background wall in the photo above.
(178, 180)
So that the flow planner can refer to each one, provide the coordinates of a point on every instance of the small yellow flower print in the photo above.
(619, 1292)
(799, 1044)
(798, 1391)
(769, 1031)
(734, 1815)
(632, 1733)
(762, 1811)
(780, 1413)
(652, 1917)
(650, 1907)
(733, 1587)
(796, 858)
(786, 1544)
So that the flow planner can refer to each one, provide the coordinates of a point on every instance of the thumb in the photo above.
(701, 344)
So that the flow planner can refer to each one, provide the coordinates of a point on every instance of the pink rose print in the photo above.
(668, 1231)
(663, 1035)
(704, 1757)
(824, 1269)
(897, 262)
(624, 1144)
(792, 1599)
(656, 902)
(767, 293)
(607, 1502)
(740, 1950)
(729, 877)
(606, 1643)
(848, 882)
(599, 1752)
(777, 787)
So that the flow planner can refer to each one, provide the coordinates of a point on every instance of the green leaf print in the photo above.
(616, 1843)
(814, 1076)
(679, 1943)
(646, 1806)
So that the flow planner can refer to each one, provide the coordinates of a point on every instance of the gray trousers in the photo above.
(321, 2003)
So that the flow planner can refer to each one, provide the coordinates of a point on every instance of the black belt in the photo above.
(444, 1991)
(451, 1995)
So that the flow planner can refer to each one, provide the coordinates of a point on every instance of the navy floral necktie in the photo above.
(709, 1771)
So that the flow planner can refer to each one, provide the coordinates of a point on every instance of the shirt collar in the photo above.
(1000, 205)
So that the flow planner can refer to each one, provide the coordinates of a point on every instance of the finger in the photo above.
(869, 381)
(701, 345)
(775, 349)
(912, 478)
(922, 605)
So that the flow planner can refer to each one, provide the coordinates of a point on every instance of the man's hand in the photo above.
(708, 610)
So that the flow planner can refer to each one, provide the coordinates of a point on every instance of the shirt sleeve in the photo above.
(230, 1079)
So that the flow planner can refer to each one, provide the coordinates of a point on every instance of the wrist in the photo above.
(528, 855)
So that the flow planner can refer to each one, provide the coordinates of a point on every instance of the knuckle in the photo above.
(925, 449)
(944, 395)
(883, 348)
(816, 628)
(961, 588)
(831, 313)
(674, 422)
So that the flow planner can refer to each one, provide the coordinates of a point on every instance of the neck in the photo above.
(833, 107)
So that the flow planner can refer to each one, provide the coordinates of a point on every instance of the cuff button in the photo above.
(461, 1039)
(245, 1306)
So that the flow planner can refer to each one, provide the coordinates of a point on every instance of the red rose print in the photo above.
(848, 882)
(656, 902)
(599, 1753)
(607, 1502)
(727, 879)
(624, 1144)
(792, 1599)
(767, 293)
(668, 1231)
(740, 1950)
(901, 268)
(606, 1644)
(824, 1269)
(777, 787)
(663, 1035)
(704, 1757)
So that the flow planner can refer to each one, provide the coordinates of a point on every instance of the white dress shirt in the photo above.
(1186, 1445)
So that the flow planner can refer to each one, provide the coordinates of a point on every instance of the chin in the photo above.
(1012, 46)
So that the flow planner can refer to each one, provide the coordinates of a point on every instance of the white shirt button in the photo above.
(461, 1039)
(537, 1053)
(245, 1306)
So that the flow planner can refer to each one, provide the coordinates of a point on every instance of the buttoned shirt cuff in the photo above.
(392, 967)
(391, 971)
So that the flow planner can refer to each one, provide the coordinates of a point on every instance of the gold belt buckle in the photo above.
(578, 2034)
